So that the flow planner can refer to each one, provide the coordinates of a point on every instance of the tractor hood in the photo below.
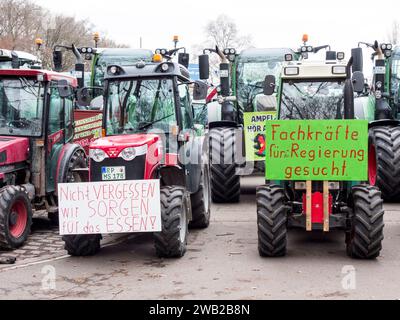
(13, 150)
(113, 145)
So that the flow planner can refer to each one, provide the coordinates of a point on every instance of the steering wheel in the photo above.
(20, 124)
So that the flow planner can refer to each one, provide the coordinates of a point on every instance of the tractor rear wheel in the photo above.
(201, 201)
(364, 239)
(225, 184)
(82, 245)
(15, 217)
(76, 161)
(175, 205)
(384, 163)
(272, 221)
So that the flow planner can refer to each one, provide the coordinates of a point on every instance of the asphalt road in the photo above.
(222, 262)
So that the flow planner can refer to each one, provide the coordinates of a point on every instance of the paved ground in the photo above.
(222, 263)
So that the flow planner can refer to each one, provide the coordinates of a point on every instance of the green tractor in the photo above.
(236, 121)
(381, 105)
(302, 197)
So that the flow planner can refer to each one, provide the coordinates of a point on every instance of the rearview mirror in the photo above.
(183, 59)
(64, 89)
(57, 60)
(200, 90)
(14, 61)
(358, 81)
(269, 85)
(204, 66)
(83, 97)
(357, 55)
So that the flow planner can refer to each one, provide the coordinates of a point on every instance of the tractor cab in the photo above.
(18, 60)
(36, 149)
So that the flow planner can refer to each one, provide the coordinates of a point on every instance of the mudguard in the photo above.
(62, 164)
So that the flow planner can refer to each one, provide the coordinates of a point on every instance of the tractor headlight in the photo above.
(128, 154)
(97, 155)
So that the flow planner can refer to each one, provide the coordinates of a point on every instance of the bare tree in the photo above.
(394, 34)
(224, 33)
(23, 21)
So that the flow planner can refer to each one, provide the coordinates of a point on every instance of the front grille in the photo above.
(134, 169)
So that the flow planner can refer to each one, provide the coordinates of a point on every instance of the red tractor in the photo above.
(36, 148)
(150, 133)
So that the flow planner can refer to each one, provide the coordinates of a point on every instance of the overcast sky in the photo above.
(281, 23)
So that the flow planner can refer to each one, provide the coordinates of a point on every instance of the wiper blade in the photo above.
(148, 125)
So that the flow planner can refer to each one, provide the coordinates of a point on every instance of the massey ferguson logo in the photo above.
(113, 153)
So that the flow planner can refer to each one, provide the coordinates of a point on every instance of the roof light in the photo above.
(226, 52)
(157, 57)
(388, 53)
(389, 46)
(340, 56)
(164, 67)
(232, 51)
(383, 46)
(288, 57)
(176, 38)
(292, 71)
(89, 50)
(114, 70)
(339, 69)
(305, 38)
(310, 49)
(303, 49)
(83, 50)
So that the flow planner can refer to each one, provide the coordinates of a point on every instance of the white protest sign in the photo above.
(109, 207)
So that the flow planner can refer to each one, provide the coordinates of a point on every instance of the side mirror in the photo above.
(14, 61)
(269, 85)
(357, 55)
(83, 97)
(64, 89)
(57, 60)
(358, 81)
(204, 66)
(183, 59)
(200, 90)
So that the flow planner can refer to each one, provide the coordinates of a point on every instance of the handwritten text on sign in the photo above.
(319, 150)
(109, 207)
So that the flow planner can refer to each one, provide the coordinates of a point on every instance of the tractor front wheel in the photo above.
(384, 161)
(175, 205)
(272, 221)
(15, 217)
(82, 245)
(225, 184)
(365, 235)
(76, 161)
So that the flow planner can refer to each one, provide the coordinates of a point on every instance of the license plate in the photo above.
(113, 173)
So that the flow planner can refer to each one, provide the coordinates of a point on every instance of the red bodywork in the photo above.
(17, 149)
(317, 212)
(114, 145)
(88, 127)
(47, 75)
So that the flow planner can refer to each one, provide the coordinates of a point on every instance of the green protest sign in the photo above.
(318, 150)
(254, 134)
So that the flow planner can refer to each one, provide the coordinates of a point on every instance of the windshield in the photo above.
(251, 76)
(21, 109)
(312, 100)
(139, 105)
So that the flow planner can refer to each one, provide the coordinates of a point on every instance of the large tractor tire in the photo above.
(201, 203)
(384, 161)
(272, 221)
(82, 245)
(76, 161)
(364, 239)
(15, 217)
(225, 184)
(172, 240)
